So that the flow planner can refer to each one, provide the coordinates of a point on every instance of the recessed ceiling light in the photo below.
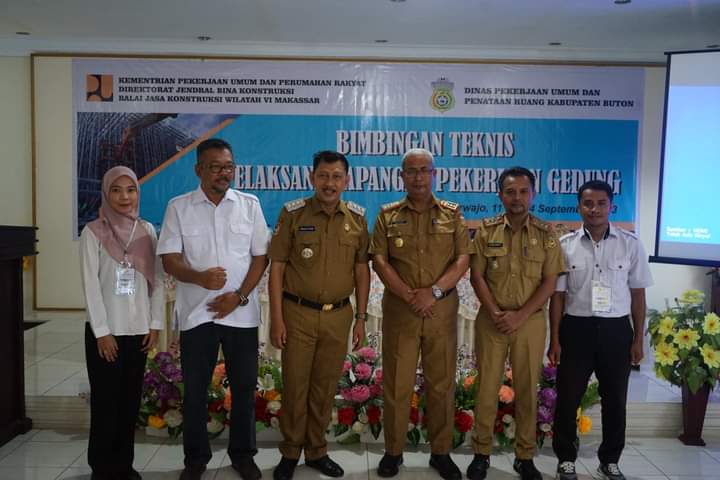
(622, 2)
(203, 38)
(381, 40)
(22, 33)
(714, 45)
(555, 44)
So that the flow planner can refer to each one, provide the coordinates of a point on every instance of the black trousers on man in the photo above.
(115, 391)
(199, 354)
(600, 345)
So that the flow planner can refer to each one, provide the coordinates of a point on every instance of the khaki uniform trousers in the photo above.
(527, 347)
(312, 361)
(404, 336)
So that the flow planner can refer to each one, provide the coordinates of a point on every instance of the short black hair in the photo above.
(330, 156)
(210, 144)
(595, 185)
(516, 172)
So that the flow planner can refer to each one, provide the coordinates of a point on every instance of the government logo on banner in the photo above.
(99, 88)
(442, 98)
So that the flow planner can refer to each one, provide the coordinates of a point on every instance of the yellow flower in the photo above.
(711, 357)
(156, 422)
(577, 414)
(711, 325)
(666, 326)
(692, 297)
(665, 354)
(686, 338)
(584, 424)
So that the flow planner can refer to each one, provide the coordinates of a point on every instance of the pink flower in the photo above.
(363, 371)
(376, 390)
(346, 394)
(506, 394)
(347, 365)
(359, 393)
(378, 376)
(368, 353)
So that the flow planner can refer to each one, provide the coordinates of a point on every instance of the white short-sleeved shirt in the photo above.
(110, 314)
(227, 235)
(617, 261)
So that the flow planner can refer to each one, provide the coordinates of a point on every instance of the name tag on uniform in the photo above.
(601, 297)
(124, 279)
(306, 228)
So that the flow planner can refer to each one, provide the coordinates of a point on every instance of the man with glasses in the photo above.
(319, 257)
(214, 242)
(420, 247)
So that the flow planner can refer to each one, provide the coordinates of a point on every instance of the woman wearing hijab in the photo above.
(123, 285)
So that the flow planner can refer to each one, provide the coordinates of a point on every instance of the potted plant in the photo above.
(686, 341)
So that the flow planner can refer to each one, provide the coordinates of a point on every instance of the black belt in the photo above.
(323, 307)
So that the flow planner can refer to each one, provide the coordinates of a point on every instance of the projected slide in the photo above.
(689, 220)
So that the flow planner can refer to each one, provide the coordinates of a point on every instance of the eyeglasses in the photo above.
(224, 168)
(414, 172)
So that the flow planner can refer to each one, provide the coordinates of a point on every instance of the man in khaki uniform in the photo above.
(420, 247)
(514, 269)
(319, 256)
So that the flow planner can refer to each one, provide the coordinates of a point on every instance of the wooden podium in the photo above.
(15, 243)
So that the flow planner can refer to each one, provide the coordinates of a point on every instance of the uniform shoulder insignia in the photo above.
(390, 206)
(540, 224)
(355, 208)
(296, 204)
(490, 221)
(449, 204)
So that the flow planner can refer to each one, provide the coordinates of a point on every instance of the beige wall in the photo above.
(59, 276)
(15, 142)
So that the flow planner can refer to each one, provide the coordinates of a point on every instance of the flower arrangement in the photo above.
(686, 340)
(359, 399)
(268, 396)
(162, 394)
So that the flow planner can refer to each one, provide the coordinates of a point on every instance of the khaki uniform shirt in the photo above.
(320, 250)
(420, 246)
(514, 264)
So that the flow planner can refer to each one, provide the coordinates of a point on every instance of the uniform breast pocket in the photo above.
(533, 263)
(619, 269)
(497, 260)
(400, 242)
(442, 239)
(349, 245)
(577, 273)
(195, 246)
(239, 238)
(307, 248)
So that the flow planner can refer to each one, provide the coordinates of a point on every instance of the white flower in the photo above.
(410, 426)
(507, 418)
(173, 418)
(545, 427)
(214, 426)
(358, 427)
(275, 422)
(266, 383)
(274, 406)
(510, 431)
(363, 418)
(333, 417)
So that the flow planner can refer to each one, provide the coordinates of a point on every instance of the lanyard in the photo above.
(117, 239)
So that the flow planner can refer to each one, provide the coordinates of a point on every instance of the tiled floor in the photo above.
(51, 455)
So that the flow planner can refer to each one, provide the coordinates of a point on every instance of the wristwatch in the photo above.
(436, 292)
(243, 299)
(361, 316)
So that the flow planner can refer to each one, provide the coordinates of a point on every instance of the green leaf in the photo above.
(350, 439)
(413, 437)
(375, 429)
(694, 382)
(458, 438)
(259, 427)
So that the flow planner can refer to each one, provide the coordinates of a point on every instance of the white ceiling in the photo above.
(590, 30)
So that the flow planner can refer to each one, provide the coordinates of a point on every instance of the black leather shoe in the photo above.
(133, 475)
(478, 468)
(526, 469)
(326, 466)
(247, 469)
(285, 469)
(192, 472)
(445, 467)
(389, 465)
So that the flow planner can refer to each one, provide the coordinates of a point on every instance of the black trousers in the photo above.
(199, 353)
(115, 390)
(600, 345)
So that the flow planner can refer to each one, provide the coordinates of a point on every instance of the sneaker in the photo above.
(478, 468)
(610, 471)
(526, 469)
(445, 467)
(566, 471)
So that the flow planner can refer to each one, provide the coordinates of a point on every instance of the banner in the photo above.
(568, 124)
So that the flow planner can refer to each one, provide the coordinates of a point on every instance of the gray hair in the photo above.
(418, 152)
